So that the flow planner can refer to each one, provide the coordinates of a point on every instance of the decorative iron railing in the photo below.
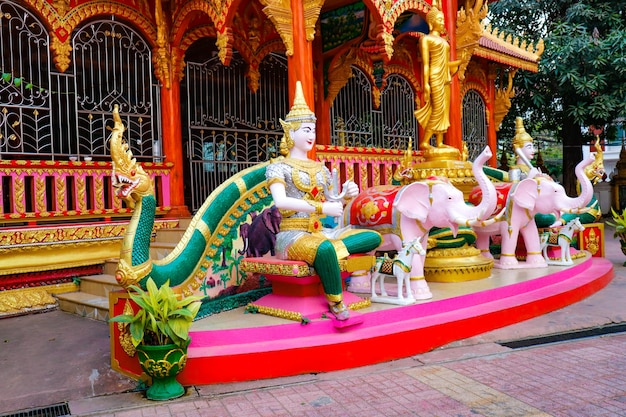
(34, 192)
(367, 167)
(45, 191)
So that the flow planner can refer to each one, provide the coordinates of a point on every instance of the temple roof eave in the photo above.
(506, 58)
(494, 45)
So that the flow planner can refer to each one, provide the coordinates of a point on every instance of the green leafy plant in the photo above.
(164, 317)
(619, 223)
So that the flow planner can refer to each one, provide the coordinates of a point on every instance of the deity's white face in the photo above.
(304, 137)
(529, 150)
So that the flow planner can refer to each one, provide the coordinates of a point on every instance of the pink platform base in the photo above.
(311, 307)
(219, 356)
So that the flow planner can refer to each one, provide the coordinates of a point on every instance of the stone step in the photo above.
(110, 266)
(85, 305)
(169, 235)
(100, 285)
(159, 250)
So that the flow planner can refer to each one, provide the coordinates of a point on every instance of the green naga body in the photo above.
(212, 226)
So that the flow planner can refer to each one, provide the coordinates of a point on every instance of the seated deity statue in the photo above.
(299, 189)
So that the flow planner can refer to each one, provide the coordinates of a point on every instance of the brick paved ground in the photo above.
(585, 377)
(470, 377)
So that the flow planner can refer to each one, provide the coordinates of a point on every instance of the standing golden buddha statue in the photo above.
(434, 115)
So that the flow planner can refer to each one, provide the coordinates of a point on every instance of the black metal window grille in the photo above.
(474, 123)
(49, 114)
(228, 127)
(355, 122)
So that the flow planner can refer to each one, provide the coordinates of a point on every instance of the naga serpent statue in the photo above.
(213, 227)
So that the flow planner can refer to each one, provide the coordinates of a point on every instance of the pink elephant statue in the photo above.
(404, 213)
(539, 194)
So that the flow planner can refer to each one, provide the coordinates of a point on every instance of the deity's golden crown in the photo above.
(300, 111)
(521, 136)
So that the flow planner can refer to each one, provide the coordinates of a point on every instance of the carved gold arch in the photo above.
(199, 32)
(473, 85)
(389, 11)
(480, 89)
(340, 71)
(408, 75)
(64, 21)
(217, 10)
(187, 11)
(253, 75)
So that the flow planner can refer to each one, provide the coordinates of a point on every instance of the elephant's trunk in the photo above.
(489, 200)
(586, 188)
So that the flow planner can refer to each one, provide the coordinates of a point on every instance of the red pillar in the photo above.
(300, 64)
(454, 136)
(491, 124)
(172, 147)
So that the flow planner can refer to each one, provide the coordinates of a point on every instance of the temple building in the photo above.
(201, 85)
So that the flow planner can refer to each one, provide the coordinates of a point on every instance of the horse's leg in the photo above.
(400, 285)
(374, 278)
(407, 285)
(383, 290)
(565, 254)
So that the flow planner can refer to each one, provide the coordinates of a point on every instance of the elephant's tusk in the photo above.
(577, 210)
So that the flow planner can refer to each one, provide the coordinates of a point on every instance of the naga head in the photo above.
(595, 172)
(130, 181)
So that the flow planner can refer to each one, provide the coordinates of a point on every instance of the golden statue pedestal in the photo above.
(456, 265)
(443, 162)
(450, 259)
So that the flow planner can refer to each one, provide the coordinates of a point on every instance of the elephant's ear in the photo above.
(526, 193)
(413, 201)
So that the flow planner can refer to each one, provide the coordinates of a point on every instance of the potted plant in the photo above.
(619, 223)
(160, 332)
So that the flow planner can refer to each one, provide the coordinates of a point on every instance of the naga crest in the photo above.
(130, 181)
(595, 171)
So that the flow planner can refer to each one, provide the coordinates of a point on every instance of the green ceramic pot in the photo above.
(163, 363)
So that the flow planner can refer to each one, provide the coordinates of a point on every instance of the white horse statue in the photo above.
(562, 239)
(400, 267)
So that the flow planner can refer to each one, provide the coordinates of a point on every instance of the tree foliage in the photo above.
(582, 73)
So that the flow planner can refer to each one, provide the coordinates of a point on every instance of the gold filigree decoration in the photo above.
(279, 12)
(339, 72)
(275, 312)
(376, 97)
(388, 42)
(592, 242)
(127, 274)
(61, 53)
(162, 57)
(13, 301)
(468, 32)
(288, 268)
(502, 104)
(224, 45)
(125, 338)
(62, 6)
(253, 76)
(312, 10)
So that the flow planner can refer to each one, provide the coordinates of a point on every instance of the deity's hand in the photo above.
(533, 173)
(332, 208)
(351, 189)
